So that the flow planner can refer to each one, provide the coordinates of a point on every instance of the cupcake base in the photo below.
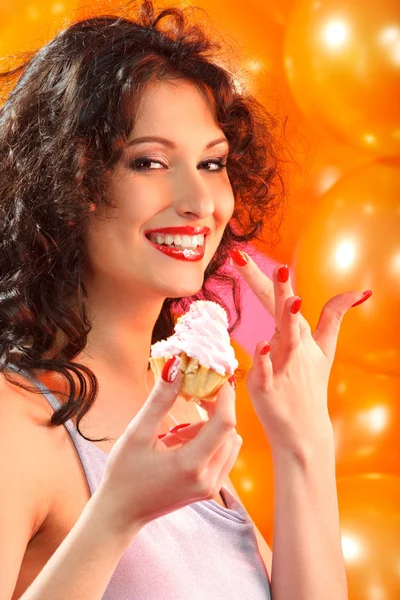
(198, 383)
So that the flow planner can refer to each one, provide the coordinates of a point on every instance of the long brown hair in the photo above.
(62, 130)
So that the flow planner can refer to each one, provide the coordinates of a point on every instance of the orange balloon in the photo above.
(319, 162)
(252, 474)
(342, 62)
(369, 508)
(278, 10)
(253, 478)
(353, 243)
(257, 42)
(365, 412)
(32, 24)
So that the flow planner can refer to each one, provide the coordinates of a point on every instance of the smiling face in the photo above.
(156, 186)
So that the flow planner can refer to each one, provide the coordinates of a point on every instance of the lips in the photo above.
(185, 254)
(187, 230)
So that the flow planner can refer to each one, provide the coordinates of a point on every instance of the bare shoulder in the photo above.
(43, 488)
(24, 466)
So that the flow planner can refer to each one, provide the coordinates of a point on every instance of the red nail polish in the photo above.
(238, 257)
(367, 294)
(161, 435)
(283, 274)
(177, 427)
(171, 369)
(232, 381)
(296, 305)
(265, 349)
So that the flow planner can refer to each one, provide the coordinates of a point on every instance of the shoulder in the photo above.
(24, 441)
(25, 494)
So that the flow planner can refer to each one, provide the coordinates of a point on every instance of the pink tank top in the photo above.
(202, 551)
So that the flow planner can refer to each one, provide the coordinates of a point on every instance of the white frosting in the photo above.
(201, 333)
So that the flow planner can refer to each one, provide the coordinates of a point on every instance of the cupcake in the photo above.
(201, 339)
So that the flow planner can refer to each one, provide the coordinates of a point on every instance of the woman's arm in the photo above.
(83, 564)
(307, 559)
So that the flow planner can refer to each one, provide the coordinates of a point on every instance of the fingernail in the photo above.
(239, 257)
(367, 294)
(265, 349)
(296, 305)
(171, 369)
(283, 274)
(232, 381)
(161, 435)
(177, 427)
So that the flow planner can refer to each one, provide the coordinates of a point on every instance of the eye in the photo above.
(137, 164)
(143, 164)
(220, 163)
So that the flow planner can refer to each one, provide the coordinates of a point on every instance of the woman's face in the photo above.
(155, 186)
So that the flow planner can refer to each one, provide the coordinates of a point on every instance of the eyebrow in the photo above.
(170, 144)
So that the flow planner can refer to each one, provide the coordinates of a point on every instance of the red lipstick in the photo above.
(186, 254)
(186, 230)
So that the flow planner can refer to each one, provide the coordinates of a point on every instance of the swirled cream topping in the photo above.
(201, 333)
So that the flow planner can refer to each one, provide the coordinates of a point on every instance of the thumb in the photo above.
(161, 399)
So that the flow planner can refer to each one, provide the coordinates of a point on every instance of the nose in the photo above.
(193, 197)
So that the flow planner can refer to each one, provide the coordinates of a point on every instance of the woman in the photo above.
(113, 504)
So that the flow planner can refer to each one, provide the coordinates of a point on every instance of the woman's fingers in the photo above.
(183, 435)
(327, 331)
(222, 462)
(290, 329)
(201, 449)
(147, 422)
(260, 283)
(272, 294)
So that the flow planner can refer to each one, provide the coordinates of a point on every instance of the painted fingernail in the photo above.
(265, 349)
(367, 294)
(232, 381)
(296, 305)
(283, 274)
(171, 369)
(161, 435)
(177, 427)
(239, 257)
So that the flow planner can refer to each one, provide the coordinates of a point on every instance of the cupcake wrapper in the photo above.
(198, 383)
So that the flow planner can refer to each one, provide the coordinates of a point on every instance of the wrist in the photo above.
(109, 525)
(305, 452)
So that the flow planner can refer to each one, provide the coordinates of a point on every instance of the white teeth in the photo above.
(181, 241)
(177, 240)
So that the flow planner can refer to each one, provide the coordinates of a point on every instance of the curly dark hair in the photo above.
(63, 127)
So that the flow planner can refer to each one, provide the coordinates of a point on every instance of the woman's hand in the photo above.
(146, 477)
(288, 380)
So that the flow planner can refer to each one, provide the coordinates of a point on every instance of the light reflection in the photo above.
(255, 66)
(247, 485)
(395, 264)
(389, 37)
(345, 254)
(369, 209)
(375, 420)
(351, 548)
(335, 34)
(370, 139)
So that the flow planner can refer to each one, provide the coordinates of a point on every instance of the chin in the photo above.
(181, 289)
